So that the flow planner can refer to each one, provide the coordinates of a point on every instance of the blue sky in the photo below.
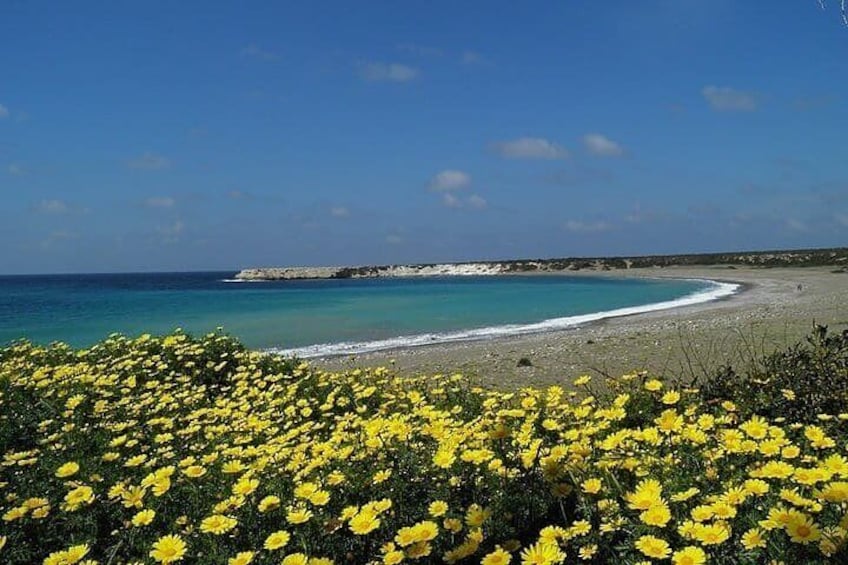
(211, 135)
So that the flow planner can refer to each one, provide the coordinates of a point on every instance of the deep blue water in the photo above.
(83, 309)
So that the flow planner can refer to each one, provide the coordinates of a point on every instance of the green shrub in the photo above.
(799, 383)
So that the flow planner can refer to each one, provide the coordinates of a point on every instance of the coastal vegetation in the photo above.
(836, 257)
(176, 449)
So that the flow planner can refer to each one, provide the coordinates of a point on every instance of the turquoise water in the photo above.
(359, 314)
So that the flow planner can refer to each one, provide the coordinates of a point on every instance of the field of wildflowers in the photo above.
(181, 450)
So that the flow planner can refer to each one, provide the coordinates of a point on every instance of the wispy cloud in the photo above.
(577, 226)
(795, 224)
(239, 195)
(56, 237)
(149, 161)
(160, 202)
(339, 212)
(727, 99)
(469, 57)
(579, 175)
(451, 201)
(386, 72)
(817, 102)
(600, 145)
(530, 148)
(4, 112)
(52, 207)
(15, 169)
(450, 179)
(475, 201)
(420, 50)
(171, 233)
(255, 51)
(841, 219)
(394, 239)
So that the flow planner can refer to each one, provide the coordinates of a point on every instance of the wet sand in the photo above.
(777, 307)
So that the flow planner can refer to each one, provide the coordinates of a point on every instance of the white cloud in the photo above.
(4, 112)
(15, 169)
(531, 148)
(387, 72)
(149, 161)
(727, 99)
(339, 212)
(476, 201)
(449, 179)
(842, 219)
(601, 145)
(471, 58)
(421, 50)
(796, 225)
(52, 207)
(576, 226)
(160, 202)
(171, 233)
(394, 239)
(253, 50)
(238, 195)
(57, 236)
(451, 201)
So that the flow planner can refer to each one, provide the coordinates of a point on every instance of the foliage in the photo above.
(180, 450)
(797, 384)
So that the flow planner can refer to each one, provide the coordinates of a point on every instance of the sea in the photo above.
(313, 318)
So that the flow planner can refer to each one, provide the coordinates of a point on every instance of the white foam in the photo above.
(716, 291)
(242, 280)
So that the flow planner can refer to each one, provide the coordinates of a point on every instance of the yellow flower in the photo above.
(476, 515)
(320, 498)
(802, 529)
(79, 496)
(245, 486)
(653, 547)
(143, 518)
(67, 470)
(298, 515)
(74, 554)
(381, 476)
(836, 491)
(542, 553)
(218, 524)
(438, 508)
(295, 559)
(587, 552)
(269, 503)
(689, 555)
(241, 558)
(653, 385)
(671, 397)
(497, 557)
(647, 494)
(592, 486)
(363, 523)
(168, 549)
(753, 538)
(277, 540)
(711, 534)
(393, 557)
(657, 515)
(194, 471)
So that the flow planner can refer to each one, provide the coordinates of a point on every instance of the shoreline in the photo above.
(719, 290)
(774, 308)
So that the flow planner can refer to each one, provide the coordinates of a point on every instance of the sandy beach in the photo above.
(776, 307)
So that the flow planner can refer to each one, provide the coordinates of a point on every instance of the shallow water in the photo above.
(344, 316)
